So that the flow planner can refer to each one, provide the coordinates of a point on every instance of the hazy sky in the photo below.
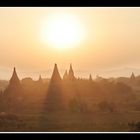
(111, 46)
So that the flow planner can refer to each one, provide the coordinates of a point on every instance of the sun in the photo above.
(62, 31)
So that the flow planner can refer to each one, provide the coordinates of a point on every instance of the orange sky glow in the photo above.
(102, 41)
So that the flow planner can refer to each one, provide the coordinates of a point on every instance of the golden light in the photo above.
(62, 31)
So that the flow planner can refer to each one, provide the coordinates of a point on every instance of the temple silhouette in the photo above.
(13, 94)
(67, 93)
(66, 102)
(54, 100)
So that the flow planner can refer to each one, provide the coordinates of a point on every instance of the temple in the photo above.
(13, 93)
(132, 76)
(40, 80)
(54, 100)
(71, 74)
(14, 81)
(90, 77)
(55, 76)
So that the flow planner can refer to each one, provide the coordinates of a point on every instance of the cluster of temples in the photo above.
(69, 75)
(14, 91)
(14, 80)
(57, 87)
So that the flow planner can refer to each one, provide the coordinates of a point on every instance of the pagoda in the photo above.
(14, 81)
(13, 93)
(90, 78)
(54, 100)
(71, 74)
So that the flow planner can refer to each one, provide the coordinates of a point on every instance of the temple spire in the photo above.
(132, 76)
(71, 73)
(71, 70)
(14, 93)
(40, 79)
(54, 100)
(90, 77)
(55, 76)
(14, 79)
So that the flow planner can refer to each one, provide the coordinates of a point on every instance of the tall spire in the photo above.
(14, 79)
(55, 76)
(54, 100)
(71, 73)
(71, 70)
(13, 94)
(90, 77)
(40, 79)
(132, 76)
